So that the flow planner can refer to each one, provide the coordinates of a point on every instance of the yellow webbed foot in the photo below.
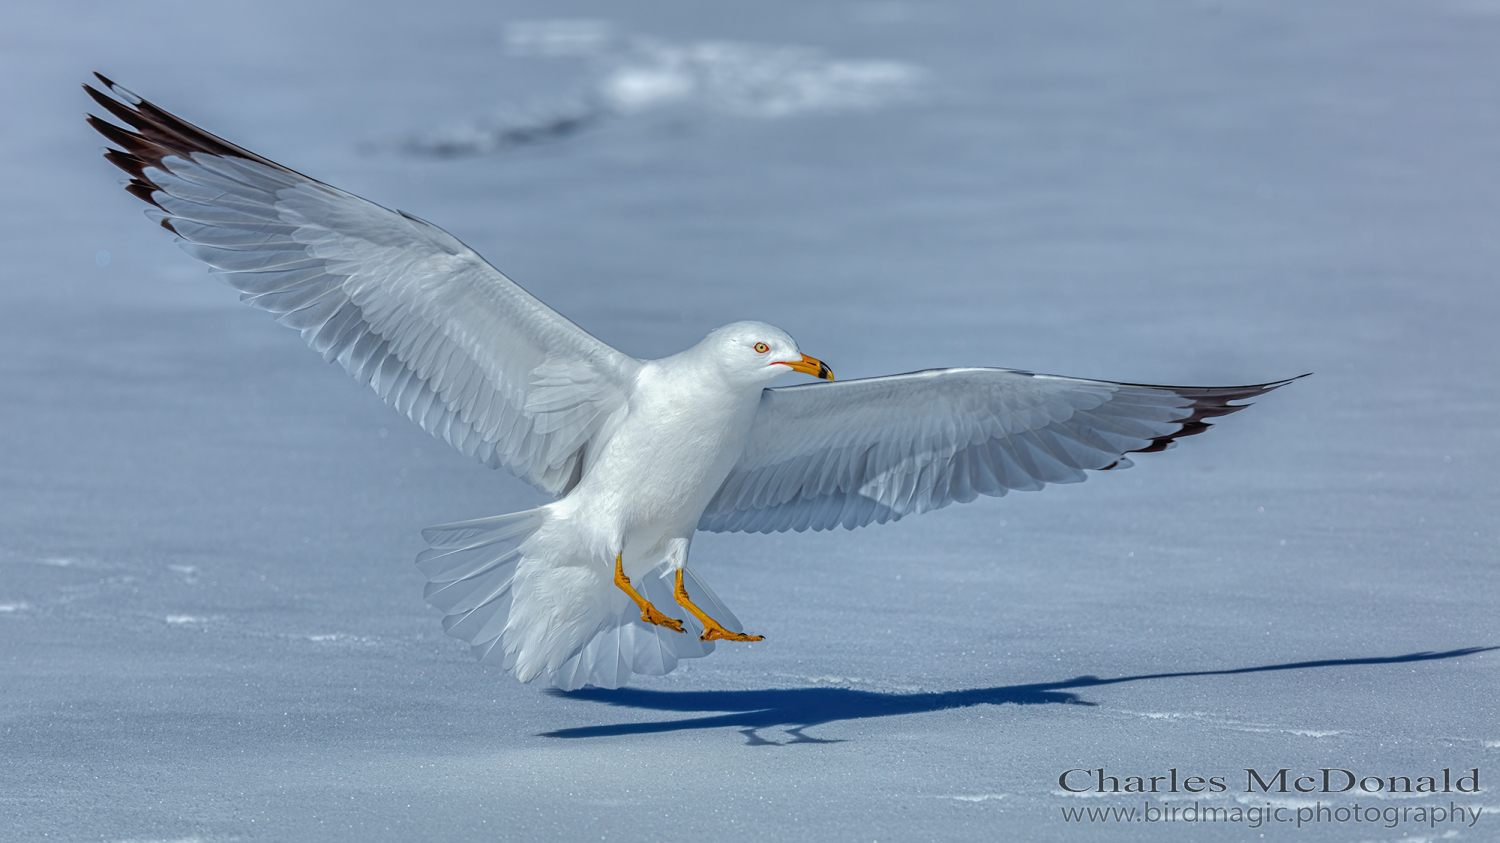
(712, 629)
(649, 613)
(713, 632)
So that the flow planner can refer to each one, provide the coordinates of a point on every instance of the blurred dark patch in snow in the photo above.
(634, 75)
(494, 134)
(796, 709)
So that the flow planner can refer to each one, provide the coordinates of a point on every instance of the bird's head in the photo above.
(755, 354)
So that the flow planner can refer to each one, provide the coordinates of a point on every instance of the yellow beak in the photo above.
(811, 366)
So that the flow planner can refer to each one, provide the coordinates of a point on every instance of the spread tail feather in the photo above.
(537, 615)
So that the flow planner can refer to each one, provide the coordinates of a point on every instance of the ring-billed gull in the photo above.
(640, 454)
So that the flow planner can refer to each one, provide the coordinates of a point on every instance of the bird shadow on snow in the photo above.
(796, 709)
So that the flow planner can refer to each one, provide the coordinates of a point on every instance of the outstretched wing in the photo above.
(874, 450)
(401, 304)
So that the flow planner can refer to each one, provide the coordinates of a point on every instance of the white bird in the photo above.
(639, 453)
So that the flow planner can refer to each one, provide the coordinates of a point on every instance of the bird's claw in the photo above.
(649, 613)
(712, 629)
(652, 616)
(719, 633)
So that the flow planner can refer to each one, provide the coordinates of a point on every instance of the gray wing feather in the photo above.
(871, 451)
(402, 305)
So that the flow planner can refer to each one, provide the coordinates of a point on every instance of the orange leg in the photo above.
(712, 629)
(649, 613)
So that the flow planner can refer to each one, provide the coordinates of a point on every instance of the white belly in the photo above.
(653, 477)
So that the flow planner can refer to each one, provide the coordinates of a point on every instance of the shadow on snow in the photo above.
(796, 709)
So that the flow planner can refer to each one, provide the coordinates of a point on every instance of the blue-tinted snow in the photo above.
(210, 624)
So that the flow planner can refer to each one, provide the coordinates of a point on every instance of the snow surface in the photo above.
(210, 624)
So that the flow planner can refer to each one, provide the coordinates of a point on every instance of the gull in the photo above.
(637, 454)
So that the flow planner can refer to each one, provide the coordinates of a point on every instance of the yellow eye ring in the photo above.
(762, 348)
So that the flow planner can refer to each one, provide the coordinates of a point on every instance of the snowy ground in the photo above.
(210, 624)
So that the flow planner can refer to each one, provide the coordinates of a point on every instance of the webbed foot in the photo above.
(712, 629)
(649, 613)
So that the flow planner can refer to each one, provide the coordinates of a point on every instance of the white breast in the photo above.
(651, 479)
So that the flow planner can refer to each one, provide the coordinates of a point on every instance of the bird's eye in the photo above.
(761, 348)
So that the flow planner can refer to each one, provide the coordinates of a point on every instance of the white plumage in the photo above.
(640, 453)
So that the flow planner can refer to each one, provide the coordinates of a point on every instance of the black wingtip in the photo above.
(150, 134)
(1209, 402)
(123, 93)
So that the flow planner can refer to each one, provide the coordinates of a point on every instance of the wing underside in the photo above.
(400, 304)
(875, 450)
